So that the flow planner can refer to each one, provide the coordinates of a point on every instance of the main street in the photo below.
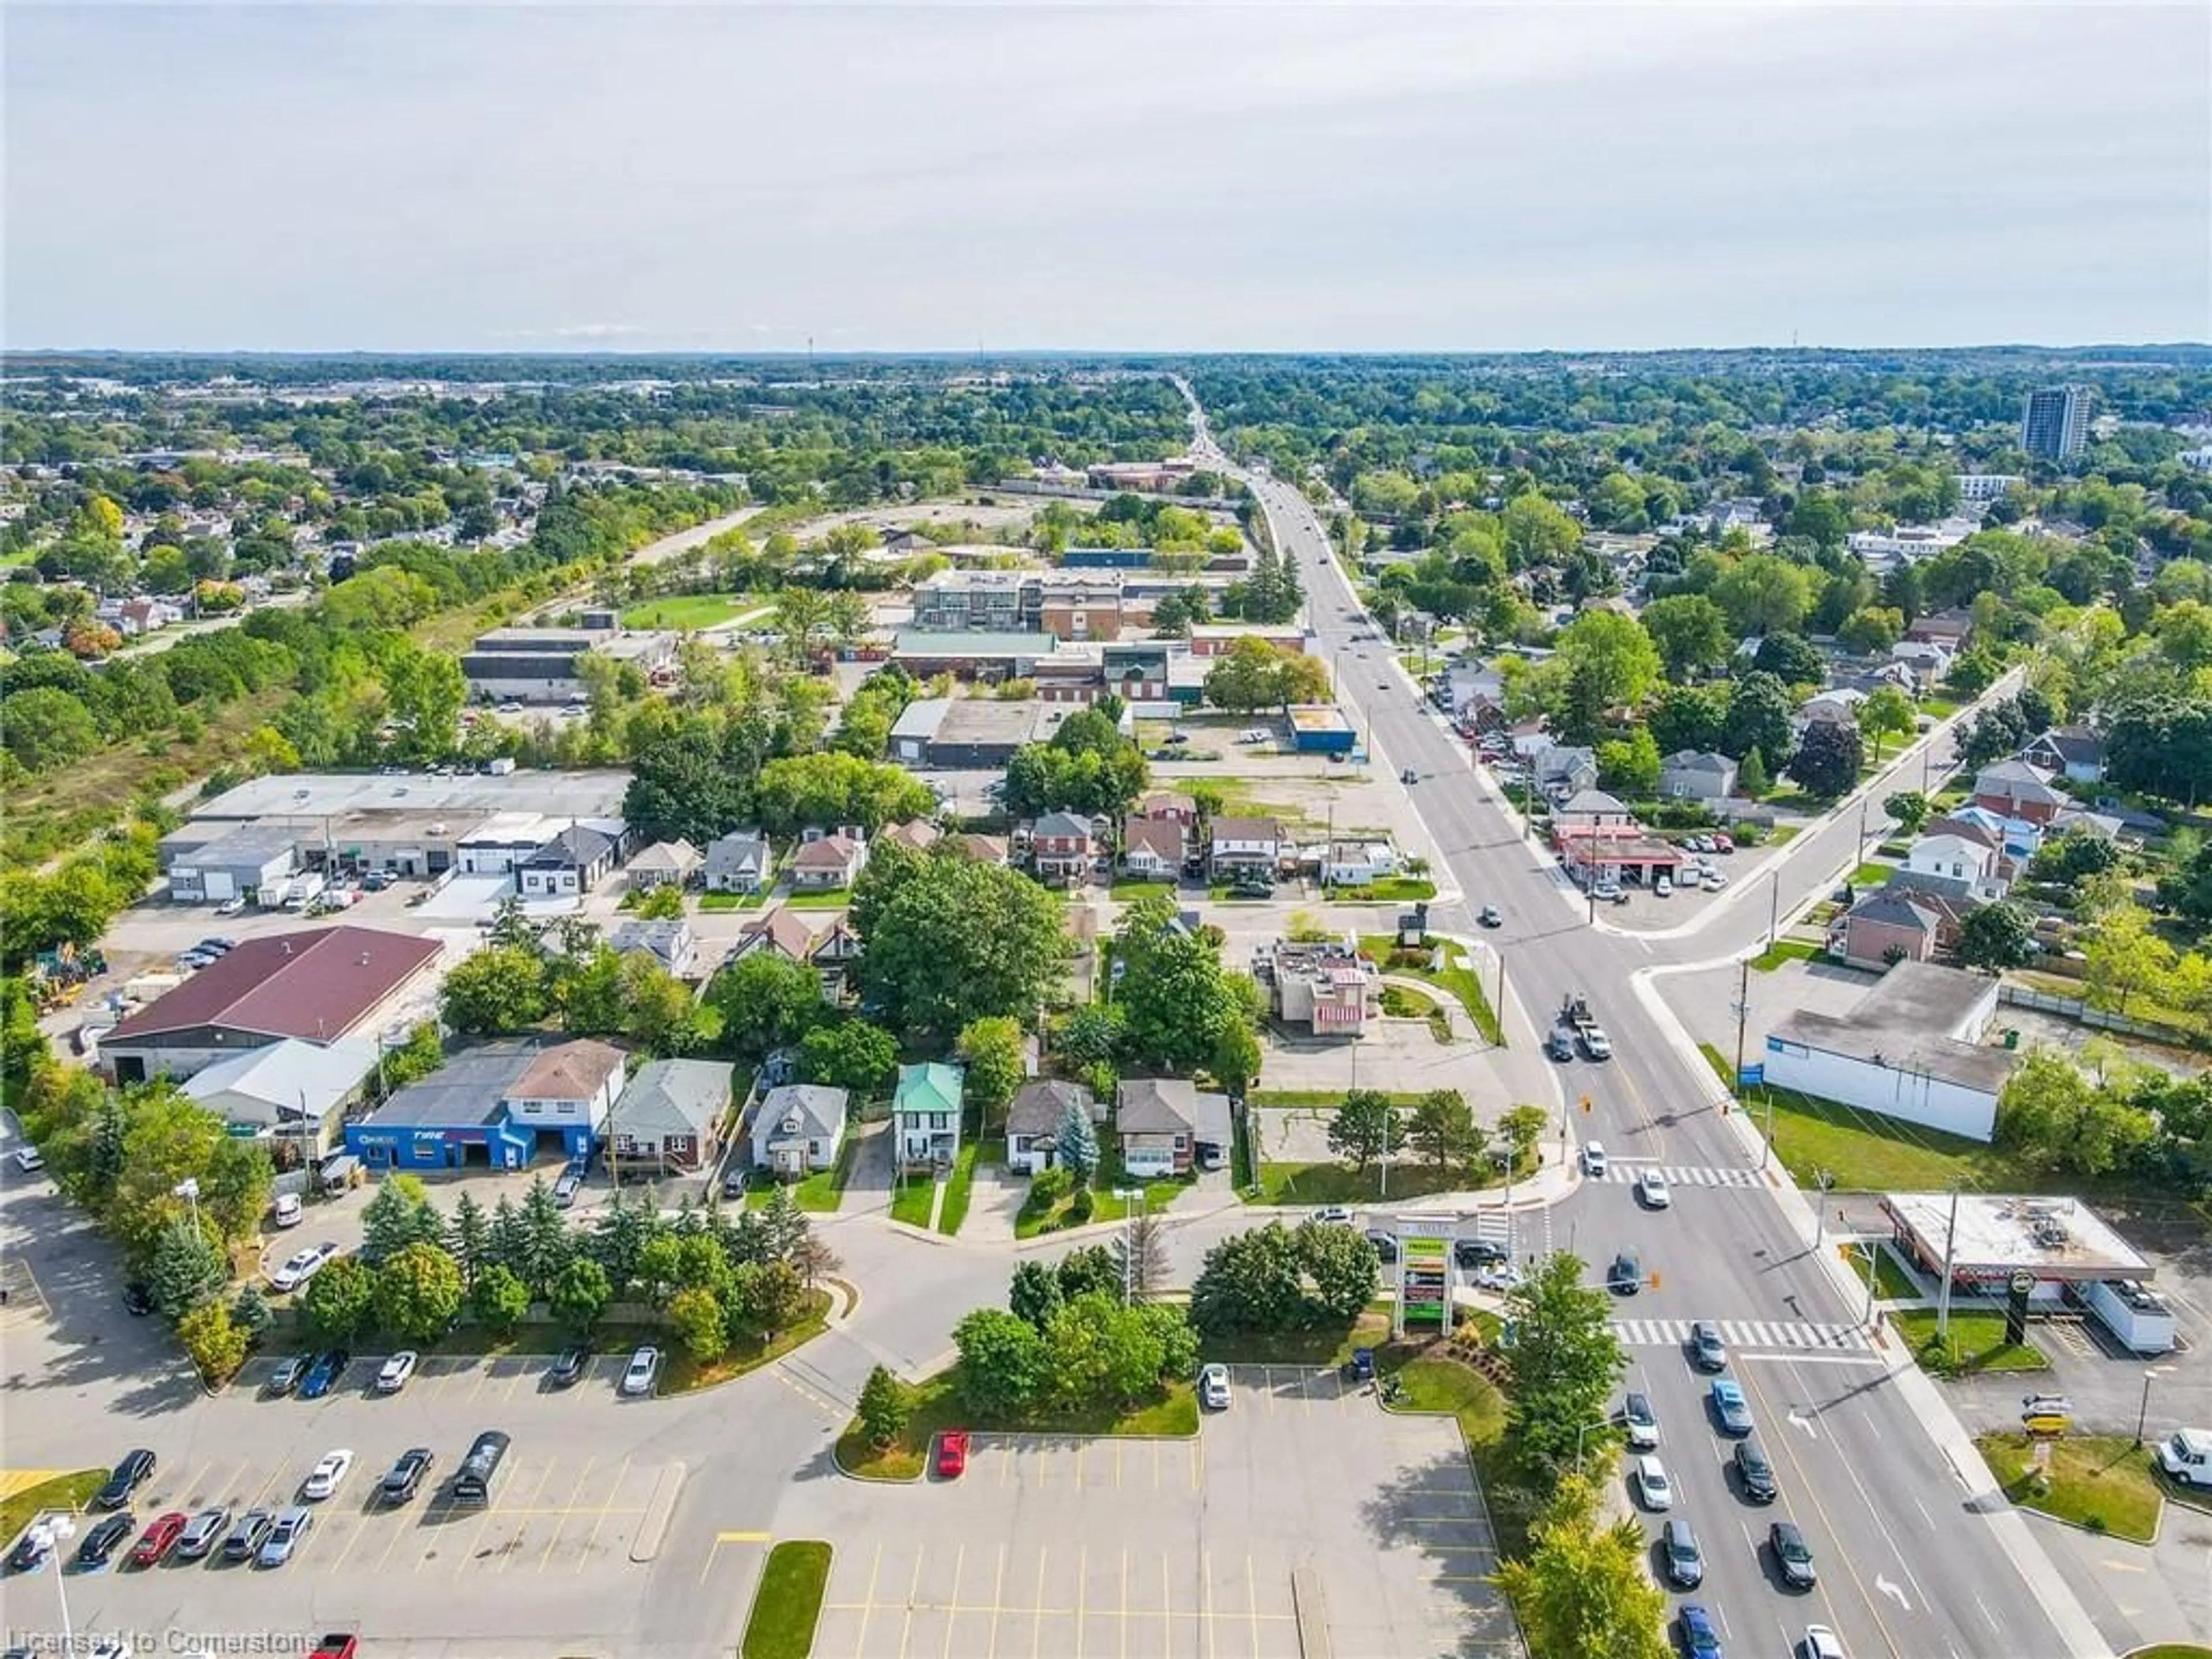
(1916, 1555)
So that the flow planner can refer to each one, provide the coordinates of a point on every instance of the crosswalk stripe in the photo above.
(1747, 1334)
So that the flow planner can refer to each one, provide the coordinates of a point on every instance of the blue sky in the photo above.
(1155, 178)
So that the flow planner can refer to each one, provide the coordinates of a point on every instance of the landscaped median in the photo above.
(935, 1405)
(788, 1603)
(2102, 1483)
(1455, 977)
(1976, 1343)
(25, 1504)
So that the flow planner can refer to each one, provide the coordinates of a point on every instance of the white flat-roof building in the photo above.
(2057, 1241)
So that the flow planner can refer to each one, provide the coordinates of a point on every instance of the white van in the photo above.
(2186, 1456)
(1662, 885)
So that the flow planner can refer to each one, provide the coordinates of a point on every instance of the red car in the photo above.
(952, 1453)
(340, 1646)
(153, 1543)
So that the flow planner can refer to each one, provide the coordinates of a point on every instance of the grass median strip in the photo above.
(2100, 1482)
(788, 1604)
(958, 1187)
(65, 1492)
(1455, 977)
(935, 1405)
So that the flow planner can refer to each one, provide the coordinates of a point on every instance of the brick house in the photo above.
(1061, 844)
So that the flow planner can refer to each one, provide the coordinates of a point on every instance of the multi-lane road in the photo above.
(1914, 1562)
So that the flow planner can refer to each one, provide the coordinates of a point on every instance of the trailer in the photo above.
(2132, 1312)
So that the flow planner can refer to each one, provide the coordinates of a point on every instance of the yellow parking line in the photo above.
(353, 1538)
(1205, 1597)
(1167, 1610)
(868, 1603)
(1079, 1448)
(1082, 1593)
(912, 1589)
(612, 1492)
(1005, 1459)
(722, 1538)
(507, 1560)
(1036, 1614)
(1197, 1464)
(998, 1603)
(543, 1560)
(1124, 1653)
(1252, 1605)
(406, 1529)
(952, 1612)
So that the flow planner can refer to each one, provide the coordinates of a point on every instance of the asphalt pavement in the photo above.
(1919, 1556)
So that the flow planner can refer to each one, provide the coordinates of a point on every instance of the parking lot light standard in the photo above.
(2142, 1411)
(1128, 1238)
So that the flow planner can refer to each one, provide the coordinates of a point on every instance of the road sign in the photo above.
(1750, 1076)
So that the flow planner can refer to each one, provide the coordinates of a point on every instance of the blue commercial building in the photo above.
(497, 1106)
(1105, 558)
(1323, 729)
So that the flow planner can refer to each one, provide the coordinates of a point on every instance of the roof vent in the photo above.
(364, 958)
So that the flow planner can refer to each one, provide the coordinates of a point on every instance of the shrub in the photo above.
(1080, 1211)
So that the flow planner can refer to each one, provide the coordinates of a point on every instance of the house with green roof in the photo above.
(925, 1113)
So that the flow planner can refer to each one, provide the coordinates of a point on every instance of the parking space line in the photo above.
(1082, 1593)
(1037, 1613)
(406, 1530)
(912, 1589)
(353, 1538)
(722, 1538)
(998, 1601)
(467, 1554)
(952, 1612)
(574, 1492)
(1205, 1597)
(868, 1604)
(605, 1509)
(1198, 1462)
(1125, 1605)
(1252, 1604)
(1005, 1458)
(507, 1560)
(1167, 1609)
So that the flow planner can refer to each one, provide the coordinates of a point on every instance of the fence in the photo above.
(2018, 996)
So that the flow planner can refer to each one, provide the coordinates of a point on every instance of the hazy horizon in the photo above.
(1162, 180)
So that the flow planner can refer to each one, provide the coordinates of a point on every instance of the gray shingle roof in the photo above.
(674, 1097)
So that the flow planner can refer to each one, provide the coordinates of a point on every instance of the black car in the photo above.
(398, 1486)
(129, 1475)
(1478, 1252)
(101, 1542)
(1678, 1547)
(138, 1299)
(1625, 1276)
(1754, 1473)
(1792, 1555)
(1385, 1247)
(31, 1550)
(569, 1367)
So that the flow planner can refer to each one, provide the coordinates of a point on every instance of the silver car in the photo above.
(1213, 1387)
(285, 1536)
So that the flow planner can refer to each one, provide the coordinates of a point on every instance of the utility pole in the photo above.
(1872, 1248)
(1774, 910)
(1863, 824)
(1822, 1180)
(1128, 1240)
(1943, 1291)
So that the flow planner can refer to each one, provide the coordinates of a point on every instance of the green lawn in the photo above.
(1158, 1194)
(682, 1374)
(1976, 1343)
(1323, 1100)
(1781, 835)
(1401, 1002)
(1866, 1151)
(731, 901)
(1338, 1183)
(1891, 1281)
(935, 1404)
(2102, 1482)
(1389, 889)
(1871, 874)
(1330, 1345)
(958, 1184)
(1788, 950)
(788, 1603)
(824, 1190)
(911, 1199)
(1457, 979)
(64, 1491)
(826, 898)
(544, 1337)
(693, 610)
(1438, 1384)
(1130, 888)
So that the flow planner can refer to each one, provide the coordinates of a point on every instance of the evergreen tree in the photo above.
(469, 1238)
(1078, 1144)
(784, 1225)
(884, 1408)
(106, 1167)
(546, 1245)
(617, 1236)
(505, 1245)
(186, 1269)
(1751, 776)
(251, 1313)
(1035, 1294)
(388, 1222)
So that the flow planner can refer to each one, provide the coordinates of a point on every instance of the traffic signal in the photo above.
(1586, 1103)
(1655, 1279)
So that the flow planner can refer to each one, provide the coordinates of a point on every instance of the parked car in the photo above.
(1477, 1252)
(1678, 1549)
(1625, 1276)
(1386, 1246)
(287, 1211)
(1652, 1486)
(566, 1188)
(569, 1367)
(1333, 1215)
(201, 1533)
(1753, 1473)
(158, 1540)
(952, 1453)
(392, 1375)
(246, 1533)
(400, 1481)
(322, 1375)
(1662, 885)
(1729, 1406)
(1792, 1555)
(103, 1537)
(1701, 1637)
(734, 1181)
(33, 1550)
(126, 1478)
(643, 1372)
(289, 1373)
(1213, 1387)
(1723, 844)
(28, 1160)
(285, 1533)
(1707, 1351)
(1715, 881)
(1651, 1190)
(1641, 1421)
(338, 1645)
(323, 1480)
(302, 1266)
(231, 907)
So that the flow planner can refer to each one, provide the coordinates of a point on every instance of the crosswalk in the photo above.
(1523, 1232)
(1746, 1334)
(1678, 1175)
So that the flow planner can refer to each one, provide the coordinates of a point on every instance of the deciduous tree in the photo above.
(1582, 1590)
(418, 1293)
(1561, 1367)
(1367, 1125)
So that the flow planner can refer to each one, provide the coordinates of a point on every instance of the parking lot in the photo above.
(445, 1379)
(1301, 1514)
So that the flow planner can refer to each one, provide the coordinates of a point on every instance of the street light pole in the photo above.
(1822, 1180)
(1774, 910)
(1128, 1242)
(1943, 1291)
(58, 1531)
(1873, 1248)
(2142, 1411)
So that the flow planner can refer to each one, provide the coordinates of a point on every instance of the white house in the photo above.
(1357, 863)
(1956, 857)
(570, 1085)
(798, 1127)
(1245, 844)
(1687, 775)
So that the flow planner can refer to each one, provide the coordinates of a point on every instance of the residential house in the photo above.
(1561, 769)
(919, 835)
(665, 864)
(1061, 845)
(1951, 628)
(828, 861)
(1166, 1125)
(672, 944)
(1168, 805)
(1591, 808)
(985, 850)
(1358, 862)
(2017, 790)
(1245, 844)
(1901, 923)
(671, 1117)
(782, 931)
(926, 1113)
(573, 863)
(798, 1127)
(1688, 774)
(1153, 848)
(739, 862)
(1838, 707)
(145, 616)
(569, 1090)
(1929, 661)
(836, 953)
(2077, 752)
(1529, 738)
(1958, 858)
(1034, 1117)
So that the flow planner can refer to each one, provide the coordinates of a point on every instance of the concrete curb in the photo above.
(659, 1510)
